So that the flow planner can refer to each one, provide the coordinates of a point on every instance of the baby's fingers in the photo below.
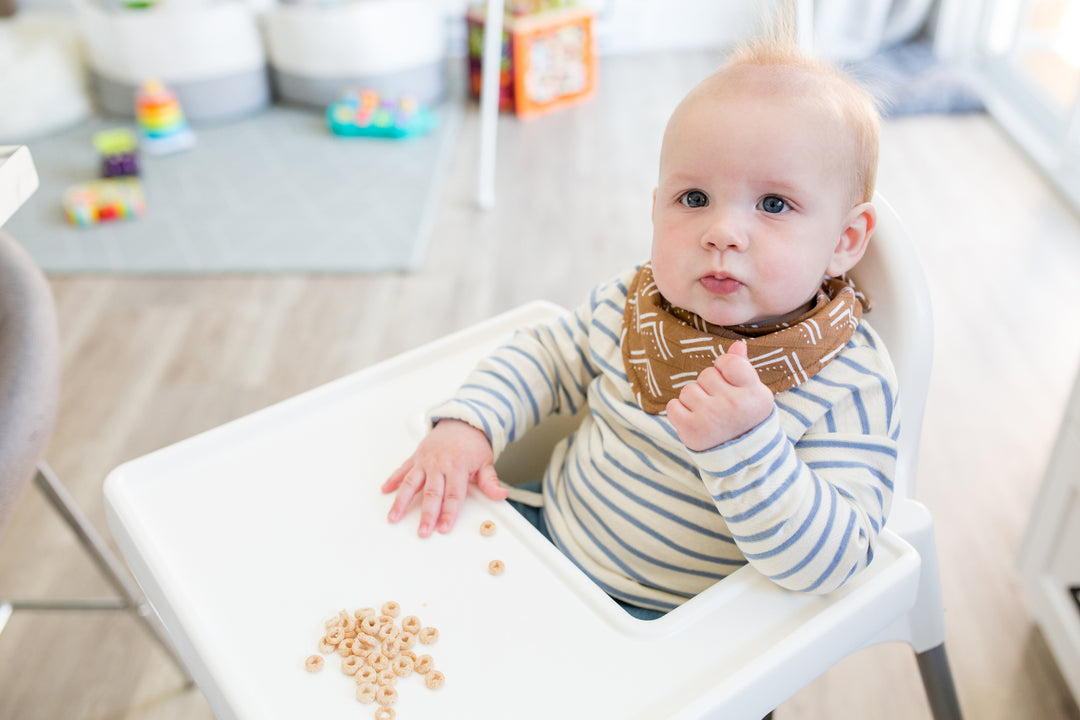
(407, 485)
(431, 503)
(735, 367)
(489, 484)
(394, 481)
(457, 484)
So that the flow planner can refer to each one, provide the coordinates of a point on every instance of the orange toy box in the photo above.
(548, 59)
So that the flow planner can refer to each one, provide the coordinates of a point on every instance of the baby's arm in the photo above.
(727, 400)
(449, 457)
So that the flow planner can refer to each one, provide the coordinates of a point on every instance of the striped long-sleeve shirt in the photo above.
(802, 496)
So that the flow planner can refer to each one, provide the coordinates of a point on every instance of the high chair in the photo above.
(247, 537)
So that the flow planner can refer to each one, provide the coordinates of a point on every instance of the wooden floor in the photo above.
(149, 361)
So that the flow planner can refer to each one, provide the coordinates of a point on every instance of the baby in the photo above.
(739, 408)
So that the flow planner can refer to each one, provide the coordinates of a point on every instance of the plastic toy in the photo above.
(162, 126)
(118, 149)
(548, 58)
(104, 200)
(364, 113)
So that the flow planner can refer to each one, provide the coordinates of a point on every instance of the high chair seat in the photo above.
(246, 538)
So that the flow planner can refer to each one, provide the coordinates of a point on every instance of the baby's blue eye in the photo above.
(694, 199)
(773, 204)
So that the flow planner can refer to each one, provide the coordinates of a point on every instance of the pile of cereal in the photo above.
(377, 650)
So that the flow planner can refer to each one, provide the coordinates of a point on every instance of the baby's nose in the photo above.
(726, 230)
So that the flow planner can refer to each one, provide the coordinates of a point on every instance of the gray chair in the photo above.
(29, 391)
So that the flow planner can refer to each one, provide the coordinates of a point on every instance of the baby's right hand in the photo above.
(450, 457)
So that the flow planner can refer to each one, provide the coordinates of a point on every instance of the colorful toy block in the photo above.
(548, 56)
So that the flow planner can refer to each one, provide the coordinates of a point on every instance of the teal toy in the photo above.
(364, 113)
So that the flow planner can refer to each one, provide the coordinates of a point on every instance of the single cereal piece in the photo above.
(408, 639)
(369, 625)
(314, 663)
(424, 664)
(326, 648)
(335, 635)
(386, 677)
(392, 646)
(345, 648)
(434, 679)
(387, 628)
(384, 713)
(366, 693)
(378, 661)
(496, 567)
(366, 675)
(428, 635)
(362, 613)
(351, 664)
(402, 665)
(487, 528)
(386, 695)
(391, 608)
(411, 624)
(362, 644)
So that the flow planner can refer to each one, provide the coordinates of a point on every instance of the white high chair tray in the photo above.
(248, 537)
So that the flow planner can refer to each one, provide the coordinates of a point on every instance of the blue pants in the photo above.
(535, 516)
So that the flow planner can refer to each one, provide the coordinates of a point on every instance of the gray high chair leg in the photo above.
(130, 597)
(938, 682)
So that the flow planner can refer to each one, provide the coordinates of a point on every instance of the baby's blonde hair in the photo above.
(778, 48)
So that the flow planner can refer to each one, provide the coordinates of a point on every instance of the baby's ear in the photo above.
(854, 237)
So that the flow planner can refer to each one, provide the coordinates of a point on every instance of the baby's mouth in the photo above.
(720, 284)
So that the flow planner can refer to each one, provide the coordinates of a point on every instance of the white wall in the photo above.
(623, 26)
(626, 26)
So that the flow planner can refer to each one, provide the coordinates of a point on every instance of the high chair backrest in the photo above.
(892, 276)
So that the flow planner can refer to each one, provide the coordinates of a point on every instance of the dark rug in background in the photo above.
(909, 80)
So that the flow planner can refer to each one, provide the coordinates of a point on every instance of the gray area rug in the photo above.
(274, 192)
(908, 79)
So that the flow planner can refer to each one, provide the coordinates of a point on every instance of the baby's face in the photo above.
(752, 202)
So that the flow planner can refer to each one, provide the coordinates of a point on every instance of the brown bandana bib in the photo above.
(665, 347)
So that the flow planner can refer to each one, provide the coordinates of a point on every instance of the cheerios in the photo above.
(402, 665)
(375, 649)
(496, 567)
(487, 528)
(386, 695)
(424, 664)
(391, 646)
(434, 679)
(366, 693)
